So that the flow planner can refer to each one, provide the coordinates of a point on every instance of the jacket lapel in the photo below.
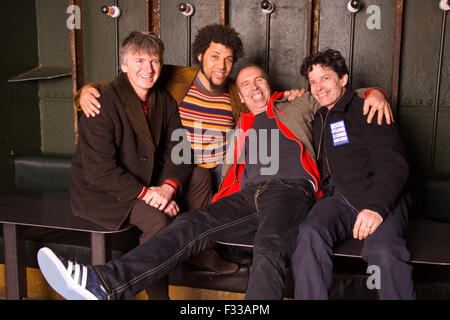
(133, 109)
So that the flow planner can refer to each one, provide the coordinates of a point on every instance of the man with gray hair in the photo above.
(121, 169)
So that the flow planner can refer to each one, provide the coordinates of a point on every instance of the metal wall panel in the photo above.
(419, 71)
(373, 52)
(100, 40)
(55, 95)
(19, 112)
(133, 17)
(288, 34)
(288, 38)
(373, 48)
(174, 27)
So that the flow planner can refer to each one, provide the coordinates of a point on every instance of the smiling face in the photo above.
(326, 86)
(143, 70)
(254, 90)
(215, 66)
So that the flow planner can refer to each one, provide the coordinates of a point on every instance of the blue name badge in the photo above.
(339, 133)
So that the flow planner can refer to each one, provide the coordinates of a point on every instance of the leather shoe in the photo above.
(210, 260)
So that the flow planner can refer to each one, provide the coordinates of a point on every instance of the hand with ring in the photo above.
(366, 223)
(159, 197)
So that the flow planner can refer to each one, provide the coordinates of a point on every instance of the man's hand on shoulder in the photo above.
(88, 101)
(293, 94)
(376, 101)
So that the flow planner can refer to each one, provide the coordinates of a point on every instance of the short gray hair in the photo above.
(141, 41)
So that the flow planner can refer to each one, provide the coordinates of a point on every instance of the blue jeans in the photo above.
(331, 219)
(274, 209)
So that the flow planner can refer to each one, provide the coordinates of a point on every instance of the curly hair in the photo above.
(329, 58)
(220, 34)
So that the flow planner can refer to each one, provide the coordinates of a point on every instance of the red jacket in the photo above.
(231, 182)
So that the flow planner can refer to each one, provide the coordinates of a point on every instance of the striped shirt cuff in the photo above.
(378, 88)
(142, 193)
(172, 183)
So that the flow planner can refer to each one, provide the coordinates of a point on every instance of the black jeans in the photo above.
(331, 219)
(274, 209)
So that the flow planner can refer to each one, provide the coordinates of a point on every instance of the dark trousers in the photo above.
(274, 209)
(331, 219)
(150, 220)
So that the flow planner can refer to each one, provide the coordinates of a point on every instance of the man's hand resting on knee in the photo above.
(161, 198)
(366, 223)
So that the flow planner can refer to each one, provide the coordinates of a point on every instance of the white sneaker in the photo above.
(71, 280)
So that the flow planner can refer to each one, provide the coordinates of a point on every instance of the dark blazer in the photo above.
(121, 150)
(366, 161)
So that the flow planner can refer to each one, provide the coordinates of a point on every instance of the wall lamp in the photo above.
(267, 7)
(444, 5)
(354, 6)
(186, 8)
(112, 11)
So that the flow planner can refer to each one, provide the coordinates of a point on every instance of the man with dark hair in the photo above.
(363, 172)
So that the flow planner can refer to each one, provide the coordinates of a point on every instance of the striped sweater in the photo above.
(206, 116)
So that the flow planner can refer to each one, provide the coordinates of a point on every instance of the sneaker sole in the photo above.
(56, 275)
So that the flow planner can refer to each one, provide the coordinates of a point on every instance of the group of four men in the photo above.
(337, 175)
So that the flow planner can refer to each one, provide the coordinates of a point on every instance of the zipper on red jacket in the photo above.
(236, 165)
(270, 105)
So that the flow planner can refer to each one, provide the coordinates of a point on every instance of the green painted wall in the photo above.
(19, 110)
(37, 117)
(55, 95)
